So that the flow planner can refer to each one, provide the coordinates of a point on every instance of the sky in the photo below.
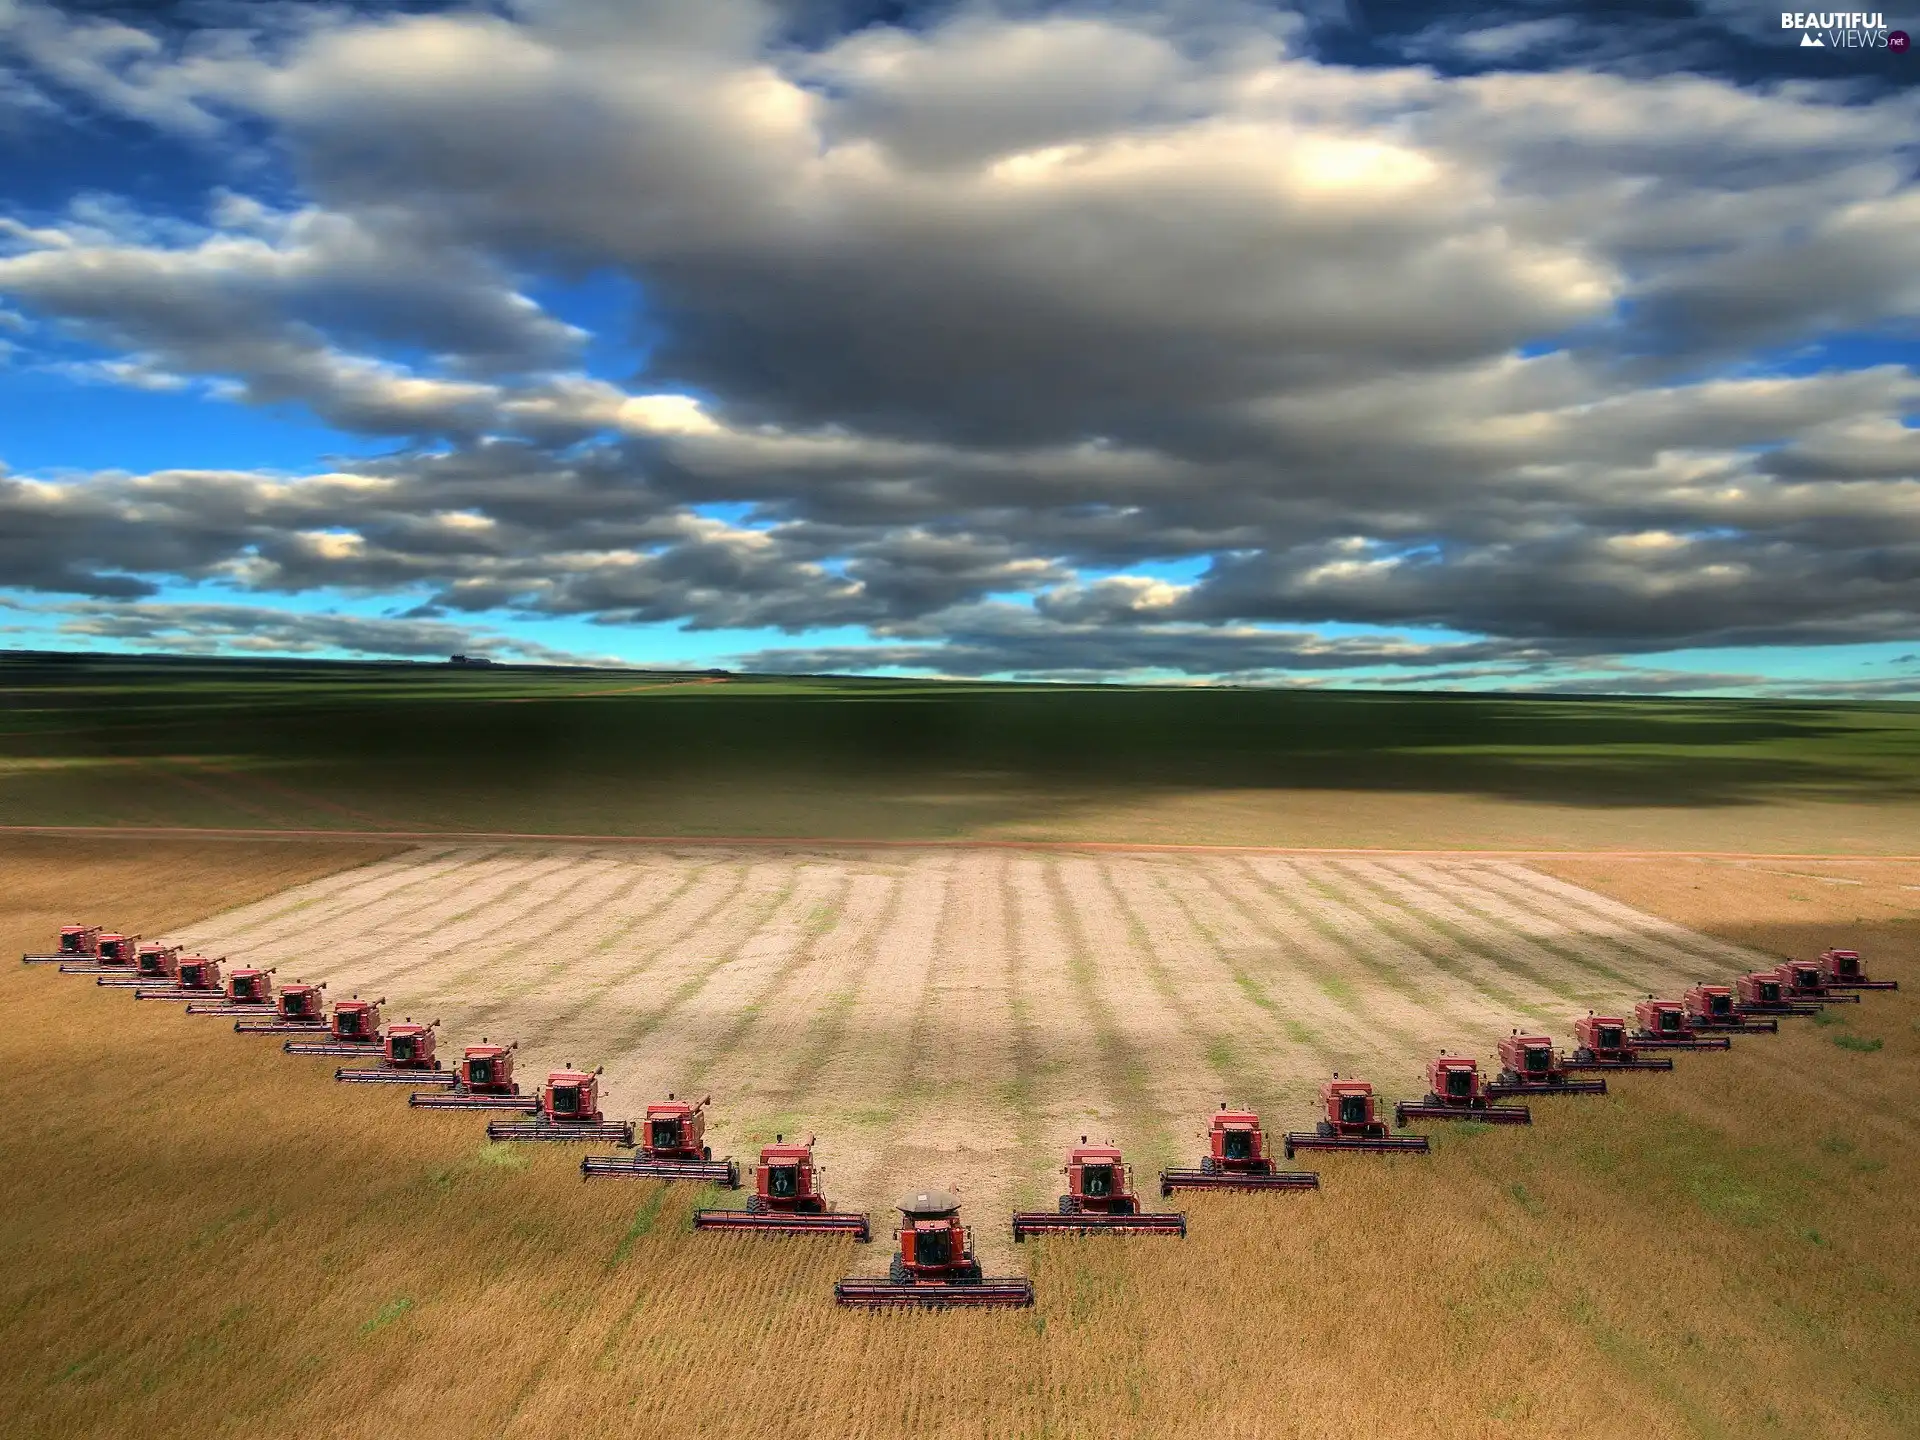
(1490, 346)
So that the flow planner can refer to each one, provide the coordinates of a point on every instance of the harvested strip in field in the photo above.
(960, 1017)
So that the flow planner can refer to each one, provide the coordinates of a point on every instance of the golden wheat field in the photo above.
(204, 1236)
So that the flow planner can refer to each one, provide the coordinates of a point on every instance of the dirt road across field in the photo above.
(959, 1017)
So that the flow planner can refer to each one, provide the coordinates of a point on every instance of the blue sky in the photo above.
(1469, 349)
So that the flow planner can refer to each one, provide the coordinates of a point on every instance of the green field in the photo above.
(125, 740)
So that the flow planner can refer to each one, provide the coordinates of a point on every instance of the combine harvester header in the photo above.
(76, 942)
(1100, 1200)
(934, 1265)
(1349, 1123)
(485, 1083)
(406, 1059)
(672, 1147)
(569, 1112)
(1455, 1092)
(1601, 1042)
(787, 1199)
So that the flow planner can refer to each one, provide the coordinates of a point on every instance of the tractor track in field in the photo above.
(960, 1015)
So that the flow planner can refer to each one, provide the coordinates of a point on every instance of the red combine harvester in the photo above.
(569, 1111)
(154, 964)
(1100, 1200)
(114, 954)
(934, 1265)
(1763, 992)
(1844, 972)
(1236, 1159)
(1529, 1065)
(1455, 1092)
(672, 1147)
(1601, 1043)
(787, 1199)
(354, 1029)
(297, 1010)
(195, 978)
(1806, 982)
(486, 1083)
(406, 1059)
(1351, 1124)
(249, 992)
(1710, 1007)
(1662, 1025)
(77, 942)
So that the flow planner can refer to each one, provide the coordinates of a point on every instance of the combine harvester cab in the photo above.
(934, 1265)
(249, 992)
(787, 1199)
(406, 1059)
(485, 1083)
(1844, 972)
(297, 1010)
(1236, 1159)
(1601, 1042)
(1662, 1025)
(1349, 1123)
(1711, 1007)
(196, 977)
(1455, 1092)
(1763, 992)
(114, 954)
(569, 1111)
(1100, 1200)
(1805, 981)
(154, 964)
(354, 1029)
(76, 943)
(1529, 1065)
(673, 1146)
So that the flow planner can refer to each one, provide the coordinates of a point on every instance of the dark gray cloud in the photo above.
(1000, 303)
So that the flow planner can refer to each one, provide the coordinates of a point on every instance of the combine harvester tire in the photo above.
(725, 1173)
(823, 1222)
(979, 1291)
(466, 1100)
(1080, 1222)
(604, 1132)
(1486, 1115)
(383, 1075)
